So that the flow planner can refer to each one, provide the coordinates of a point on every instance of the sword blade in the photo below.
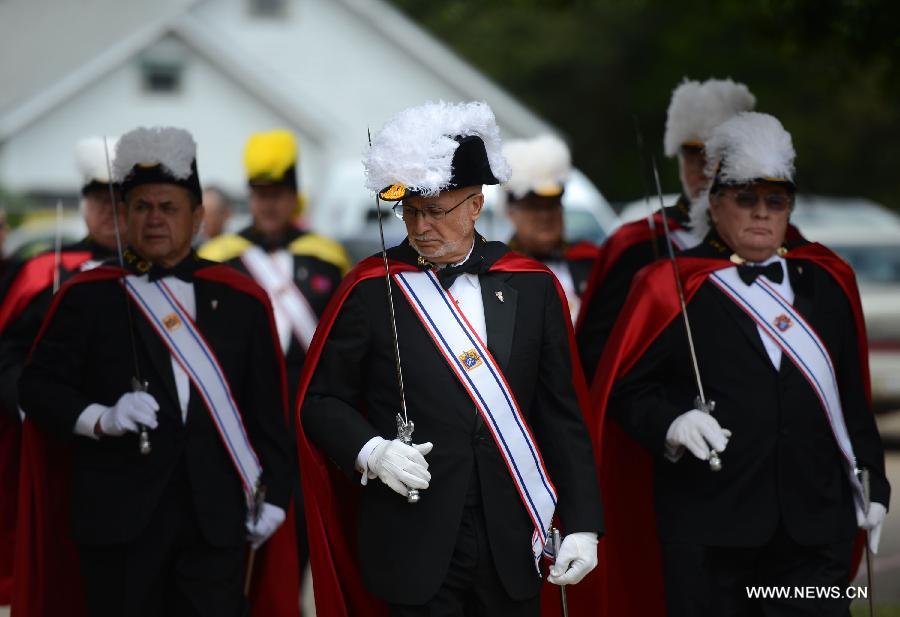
(715, 463)
(404, 426)
(651, 222)
(556, 542)
(137, 384)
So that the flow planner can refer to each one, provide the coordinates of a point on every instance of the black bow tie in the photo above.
(448, 274)
(774, 272)
(157, 272)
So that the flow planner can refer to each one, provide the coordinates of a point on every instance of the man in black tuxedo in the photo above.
(781, 510)
(533, 195)
(465, 548)
(161, 533)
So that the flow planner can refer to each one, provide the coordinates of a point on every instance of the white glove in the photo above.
(577, 556)
(872, 522)
(400, 466)
(132, 409)
(270, 518)
(697, 431)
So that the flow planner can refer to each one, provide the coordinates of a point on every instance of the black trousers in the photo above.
(472, 587)
(169, 571)
(704, 580)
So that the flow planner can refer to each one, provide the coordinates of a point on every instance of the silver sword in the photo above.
(651, 222)
(137, 384)
(404, 426)
(556, 541)
(870, 579)
(702, 403)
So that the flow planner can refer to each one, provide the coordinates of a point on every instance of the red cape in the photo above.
(581, 251)
(331, 498)
(34, 277)
(629, 553)
(47, 579)
(612, 249)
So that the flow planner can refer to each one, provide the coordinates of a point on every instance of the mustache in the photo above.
(424, 239)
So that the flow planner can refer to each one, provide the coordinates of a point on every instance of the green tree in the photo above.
(828, 69)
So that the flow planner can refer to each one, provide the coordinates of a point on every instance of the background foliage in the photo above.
(828, 69)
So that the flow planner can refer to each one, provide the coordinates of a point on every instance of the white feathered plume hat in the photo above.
(698, 108)
(436, 147)
(157, 155)
(750, 147)
(91, 160)
(540, 166)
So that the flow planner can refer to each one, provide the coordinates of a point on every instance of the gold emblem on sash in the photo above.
(171, 321)
(470, 359)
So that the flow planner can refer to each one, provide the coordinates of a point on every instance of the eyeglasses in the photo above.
(775, 202)
(432, 212)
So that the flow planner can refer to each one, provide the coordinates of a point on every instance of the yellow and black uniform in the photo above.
(317, 265)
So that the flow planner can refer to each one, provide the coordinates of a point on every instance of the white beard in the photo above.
(699, 216)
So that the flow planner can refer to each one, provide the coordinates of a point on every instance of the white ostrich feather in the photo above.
(173, 148)
(697, 108)
(542, 161)
(415, 148)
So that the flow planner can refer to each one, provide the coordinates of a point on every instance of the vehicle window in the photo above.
(873, 264)
(581, 225)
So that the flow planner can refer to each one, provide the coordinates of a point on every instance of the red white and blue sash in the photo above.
(284, 294)
(185, 342)
(799, 342)
(477, 371)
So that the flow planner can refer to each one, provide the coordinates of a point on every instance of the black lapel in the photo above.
(499, 301)
(159, 356)
(745, 323)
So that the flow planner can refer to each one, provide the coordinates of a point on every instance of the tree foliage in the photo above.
(829, 69)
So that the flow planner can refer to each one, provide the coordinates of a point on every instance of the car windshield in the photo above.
(873, 263)
(583, 225)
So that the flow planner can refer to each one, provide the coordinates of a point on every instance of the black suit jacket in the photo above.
(405, 549)
(84, 357)
(782, 465)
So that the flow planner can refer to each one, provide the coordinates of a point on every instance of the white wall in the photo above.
(218, 112)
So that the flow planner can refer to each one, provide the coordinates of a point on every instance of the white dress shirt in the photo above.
(787, 292)
(560, 269)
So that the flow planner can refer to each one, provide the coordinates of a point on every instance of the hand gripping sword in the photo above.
(137, 384)
(702, 403)
(404, 426)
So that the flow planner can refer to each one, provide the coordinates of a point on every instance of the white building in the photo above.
(327, 69)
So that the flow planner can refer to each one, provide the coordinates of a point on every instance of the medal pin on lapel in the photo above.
(214, 304)
(499, 295)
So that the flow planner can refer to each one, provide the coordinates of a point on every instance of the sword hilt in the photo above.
(707, 406)
(405, 430)
(556, 543)
(143, 435)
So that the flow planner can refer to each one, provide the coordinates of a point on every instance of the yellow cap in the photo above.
(268, 156)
